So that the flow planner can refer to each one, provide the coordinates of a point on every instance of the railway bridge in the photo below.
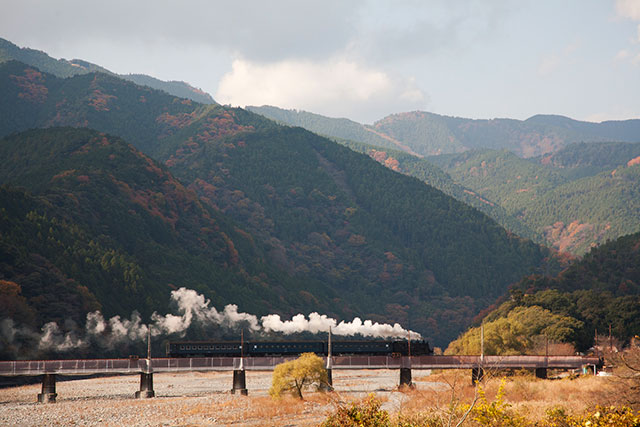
(49, 369)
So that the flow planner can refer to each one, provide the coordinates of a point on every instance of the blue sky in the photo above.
(361, 59)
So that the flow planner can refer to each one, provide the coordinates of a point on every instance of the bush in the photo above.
(365, 413)
(602, 416)
(496, 413)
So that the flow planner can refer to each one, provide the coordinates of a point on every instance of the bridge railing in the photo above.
(130, 366)
(72, 367)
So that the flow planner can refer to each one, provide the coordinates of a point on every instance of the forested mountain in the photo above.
(87, 222)
(172, 87)
(393, 155)
(424, 134)
(64, 68)
(501, 176)
(359, 238)
(580, 160)
(431, 174)
(430, 134)
(557, 198)
(343, 129)
(582, 195)
(600, 291)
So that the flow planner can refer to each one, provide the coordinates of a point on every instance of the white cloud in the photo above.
(261, 30)
(622, 55)
(548, 65)
(336, 87)
(629, 9)
(551, 63)
(625, 55)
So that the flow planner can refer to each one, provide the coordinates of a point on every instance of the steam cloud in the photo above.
(192, 308)
(321, 323)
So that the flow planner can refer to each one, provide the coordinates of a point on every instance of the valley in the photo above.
(444, 197)
(117, 195)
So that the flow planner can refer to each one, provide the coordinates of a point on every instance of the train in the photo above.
(294, 348)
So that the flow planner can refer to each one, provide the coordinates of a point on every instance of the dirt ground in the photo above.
(188, 399)
(201, 399)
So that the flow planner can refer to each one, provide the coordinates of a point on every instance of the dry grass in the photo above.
(526, 394)
(262, 410)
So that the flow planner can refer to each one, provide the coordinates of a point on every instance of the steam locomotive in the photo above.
(294, 348)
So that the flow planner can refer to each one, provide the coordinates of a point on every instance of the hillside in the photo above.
(600, 291)
(393, 155)
(577, 197)
(580, 160)
(338, 129)
(360, 238)
(90, 222)
(541, 198)
(67, 68)
(101, 101)
(428, 172)
(500, 176)
(432, 134)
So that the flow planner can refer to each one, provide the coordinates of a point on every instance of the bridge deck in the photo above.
(130, 366)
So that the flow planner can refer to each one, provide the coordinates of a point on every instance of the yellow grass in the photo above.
(527, 395)
(261, 409)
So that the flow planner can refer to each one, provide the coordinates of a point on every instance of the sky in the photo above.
(364, 59)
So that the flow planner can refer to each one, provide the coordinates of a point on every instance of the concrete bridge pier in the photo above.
(541, 373)
(329, 385)
(48, 394)
(405, 377)
(329, 367)
(405, 372)
(476, 375)
(239, 382)
(146, 386)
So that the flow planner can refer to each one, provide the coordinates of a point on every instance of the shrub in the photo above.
(365, 413)
(602, 416)
(496, 413)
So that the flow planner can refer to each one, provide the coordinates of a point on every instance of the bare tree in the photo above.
(626, 366)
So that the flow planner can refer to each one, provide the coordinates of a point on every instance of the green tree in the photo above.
(296, 375)
(516, 332)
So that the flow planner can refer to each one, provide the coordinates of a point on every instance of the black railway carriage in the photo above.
(294, 348)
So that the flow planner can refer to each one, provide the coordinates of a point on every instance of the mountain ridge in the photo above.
(67, 68)
(424, 133)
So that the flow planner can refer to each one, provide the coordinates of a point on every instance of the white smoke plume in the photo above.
(53, 339)
(192, 308)
(321, 323)
(193, 305)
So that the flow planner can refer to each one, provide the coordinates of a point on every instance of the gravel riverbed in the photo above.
(191, 399)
